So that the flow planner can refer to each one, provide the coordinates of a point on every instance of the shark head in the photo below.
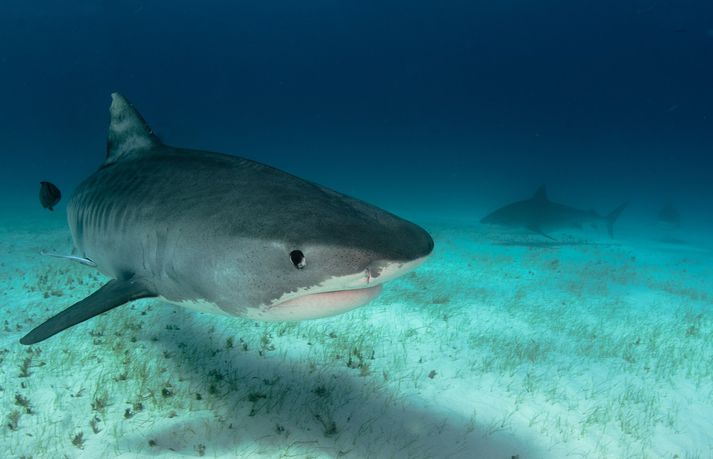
(530, 213)
(497, 217)
(520, 213)
(330, 265)
(312, 254)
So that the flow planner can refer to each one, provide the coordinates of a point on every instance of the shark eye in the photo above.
(298, 259)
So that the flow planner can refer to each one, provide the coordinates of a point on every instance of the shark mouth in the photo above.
(338, 295)
(323, 304)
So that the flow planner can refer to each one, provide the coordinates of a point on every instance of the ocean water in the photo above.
(518, 340)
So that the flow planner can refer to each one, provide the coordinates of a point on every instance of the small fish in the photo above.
(49, 195)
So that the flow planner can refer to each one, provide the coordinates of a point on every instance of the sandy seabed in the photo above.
(502, 345)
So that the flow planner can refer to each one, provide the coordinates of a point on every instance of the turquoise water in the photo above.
(502, 344)
(505, 343)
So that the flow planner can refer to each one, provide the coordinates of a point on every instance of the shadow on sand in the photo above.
(263, 405)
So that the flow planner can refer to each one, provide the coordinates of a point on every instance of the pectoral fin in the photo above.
(114, 293)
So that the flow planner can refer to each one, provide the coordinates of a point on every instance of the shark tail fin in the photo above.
(612, 217)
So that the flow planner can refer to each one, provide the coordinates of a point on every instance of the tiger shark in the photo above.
(540, 215)
(223, 234)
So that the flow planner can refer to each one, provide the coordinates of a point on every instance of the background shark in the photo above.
(224, 234)
(541, 215)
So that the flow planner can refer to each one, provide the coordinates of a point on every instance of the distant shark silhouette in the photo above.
(540, 215)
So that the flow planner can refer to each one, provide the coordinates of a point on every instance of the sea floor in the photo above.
(502, 345)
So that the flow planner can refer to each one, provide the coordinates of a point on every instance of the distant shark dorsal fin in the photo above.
(540, 194)
(129, 135)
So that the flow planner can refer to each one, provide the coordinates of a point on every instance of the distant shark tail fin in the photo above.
(612, 217)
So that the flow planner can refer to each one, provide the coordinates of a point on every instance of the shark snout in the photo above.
(414, 242)
(382, 271)
(381, 255)
(415, 246)
(423, 244)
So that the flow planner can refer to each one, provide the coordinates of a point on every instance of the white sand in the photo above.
(602, 349)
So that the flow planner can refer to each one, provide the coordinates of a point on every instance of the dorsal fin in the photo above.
(129, 135)
(540, 194)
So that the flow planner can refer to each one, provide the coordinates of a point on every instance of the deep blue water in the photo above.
(430, 107)
(438, 111)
